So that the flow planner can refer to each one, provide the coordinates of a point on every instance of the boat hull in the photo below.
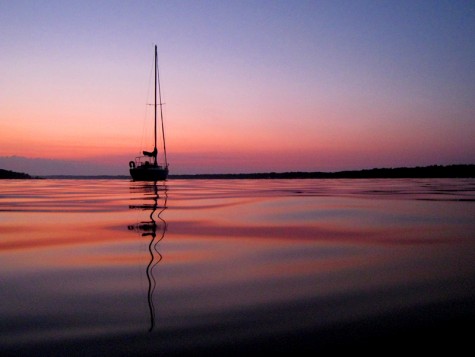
(149, 173)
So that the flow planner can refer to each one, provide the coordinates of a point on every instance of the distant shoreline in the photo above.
(434, 171)
(7, 174)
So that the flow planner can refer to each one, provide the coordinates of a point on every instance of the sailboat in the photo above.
(146, 167)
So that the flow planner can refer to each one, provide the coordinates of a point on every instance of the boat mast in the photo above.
(161, 111)
(155, 109)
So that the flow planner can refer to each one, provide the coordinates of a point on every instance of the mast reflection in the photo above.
(155, 227)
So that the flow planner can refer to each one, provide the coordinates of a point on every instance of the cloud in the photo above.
(45, 167)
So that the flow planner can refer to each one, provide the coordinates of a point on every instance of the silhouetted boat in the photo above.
(146, 167)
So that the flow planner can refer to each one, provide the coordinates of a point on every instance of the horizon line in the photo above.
(430, 171)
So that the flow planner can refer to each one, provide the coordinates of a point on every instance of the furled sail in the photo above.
(151, 153)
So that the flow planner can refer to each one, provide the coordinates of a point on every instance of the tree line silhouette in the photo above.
(434, 171)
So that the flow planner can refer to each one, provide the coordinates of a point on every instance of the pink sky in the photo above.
(248, 87)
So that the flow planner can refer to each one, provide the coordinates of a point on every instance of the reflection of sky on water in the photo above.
(255, 261)
(361, 212)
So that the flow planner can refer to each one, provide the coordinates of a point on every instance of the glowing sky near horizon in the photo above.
(248, 85)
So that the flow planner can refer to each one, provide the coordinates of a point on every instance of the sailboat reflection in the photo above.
(154, 227)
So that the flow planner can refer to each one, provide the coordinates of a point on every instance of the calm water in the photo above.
(112, 267)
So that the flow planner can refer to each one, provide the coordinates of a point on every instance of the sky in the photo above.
(248, 86)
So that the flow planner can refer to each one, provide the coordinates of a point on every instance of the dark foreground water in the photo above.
(220, 267)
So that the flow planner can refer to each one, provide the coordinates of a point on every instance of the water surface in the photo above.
(113, 267)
